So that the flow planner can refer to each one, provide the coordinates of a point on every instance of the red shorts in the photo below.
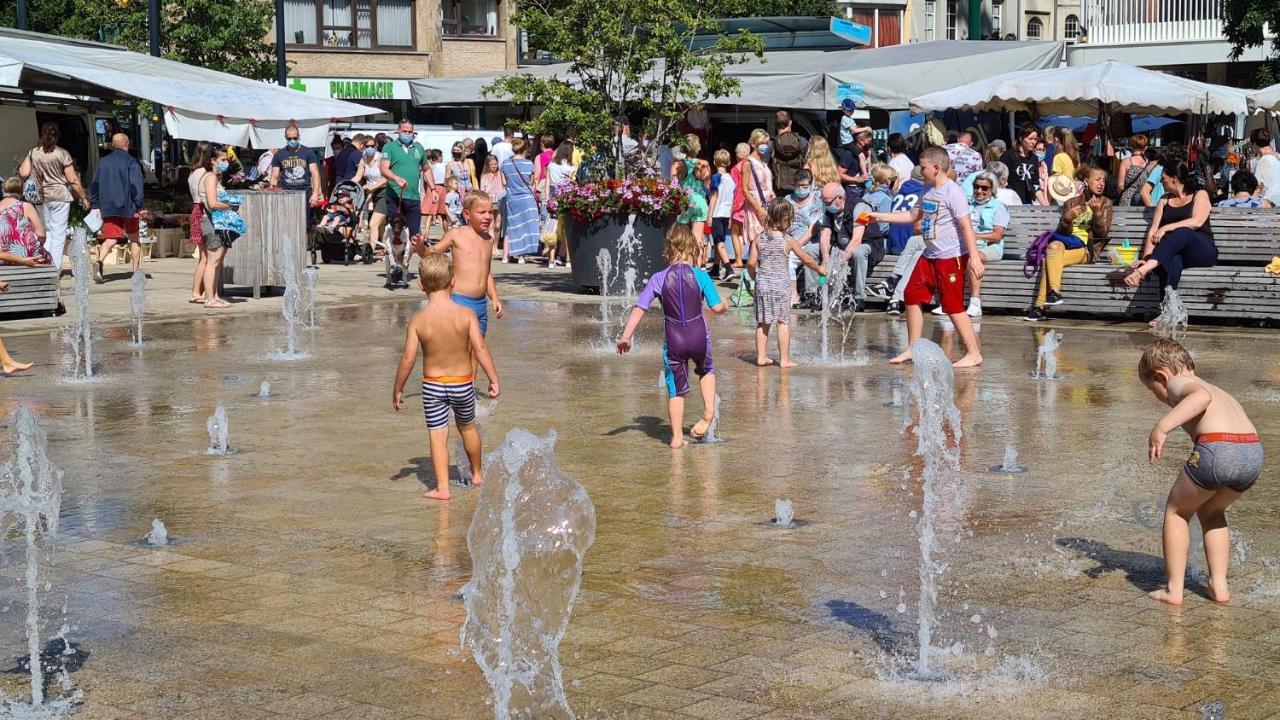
(117, 228)
(943, 277)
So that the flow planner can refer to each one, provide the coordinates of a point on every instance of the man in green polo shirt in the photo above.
(403, 161)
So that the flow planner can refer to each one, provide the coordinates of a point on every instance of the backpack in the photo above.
(1036, 251)
(788, 159)
(32, 188)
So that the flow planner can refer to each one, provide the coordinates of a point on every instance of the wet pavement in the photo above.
(311, 580)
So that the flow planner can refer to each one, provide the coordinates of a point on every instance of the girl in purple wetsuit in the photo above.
(681, 288)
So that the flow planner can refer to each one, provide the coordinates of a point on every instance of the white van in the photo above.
(431, 137)
(20, 132)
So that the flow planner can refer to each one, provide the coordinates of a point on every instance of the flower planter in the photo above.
(631, 241)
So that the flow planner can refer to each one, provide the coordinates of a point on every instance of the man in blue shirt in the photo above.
(116, 191)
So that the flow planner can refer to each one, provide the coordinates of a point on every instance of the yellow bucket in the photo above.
(1123, 255)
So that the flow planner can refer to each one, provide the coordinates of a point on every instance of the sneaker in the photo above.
(1035, 314)
(938, 311)
(97, 273)
(1053, 298)
(975, 308)
(880, 289)
(859, 306)
(895, 307)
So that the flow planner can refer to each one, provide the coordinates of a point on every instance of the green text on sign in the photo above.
(372, 89)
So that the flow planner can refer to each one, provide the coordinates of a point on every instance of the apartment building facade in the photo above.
(366, 51)
(1055, 20)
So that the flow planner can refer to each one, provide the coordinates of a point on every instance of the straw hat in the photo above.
(1062, 188)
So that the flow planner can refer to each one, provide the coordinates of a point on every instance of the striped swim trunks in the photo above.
(442, 394)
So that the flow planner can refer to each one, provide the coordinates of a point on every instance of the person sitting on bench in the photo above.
(1083, 231)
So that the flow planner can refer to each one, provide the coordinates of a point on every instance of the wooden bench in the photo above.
(1235, 290)
(31, 290)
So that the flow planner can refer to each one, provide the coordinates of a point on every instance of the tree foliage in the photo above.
(627, 59)
(773, 8)
(228, 35)
(1244, 24)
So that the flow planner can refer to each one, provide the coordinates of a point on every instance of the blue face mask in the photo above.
(406, 138)
(1040, 156)
(369, 152)
(833, 208)
(869, 184)
(222, 166)
(801, 193)
(292, 143)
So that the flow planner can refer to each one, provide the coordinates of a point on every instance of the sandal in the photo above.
(219, 305)
(704, 424)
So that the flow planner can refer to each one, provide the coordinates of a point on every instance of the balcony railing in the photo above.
(1128, 22)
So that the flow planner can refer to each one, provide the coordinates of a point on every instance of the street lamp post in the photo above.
(281, 70)
(22, 14)
(153, 32)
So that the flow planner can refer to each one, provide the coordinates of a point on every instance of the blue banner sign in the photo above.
(851, 31)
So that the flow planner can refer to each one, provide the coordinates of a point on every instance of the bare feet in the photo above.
(17, 367)
(477, 479)
(1164, 595)
(700, 428)
(764, 362)
(968, 361)
(786, 363)
(1155, 321)
(440, 493)
(678, 442)
(903, 358)
(1218, 595)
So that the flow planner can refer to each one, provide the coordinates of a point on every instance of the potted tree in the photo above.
(628, 61)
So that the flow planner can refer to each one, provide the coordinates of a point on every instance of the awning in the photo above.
(199, 104)
(1084, 89)
(1268, 98)
(886, 78)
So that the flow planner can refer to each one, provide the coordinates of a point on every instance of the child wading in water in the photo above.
(950, 250)
(449, 336)
(681, 288)
(1226, 461)
(769, 266)
(471, 247)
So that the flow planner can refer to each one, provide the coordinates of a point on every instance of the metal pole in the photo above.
(22, 15)
(281, 69)
(153, 32)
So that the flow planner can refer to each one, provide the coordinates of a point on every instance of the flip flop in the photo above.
(217, 306)
(705, 424)
(196, 301)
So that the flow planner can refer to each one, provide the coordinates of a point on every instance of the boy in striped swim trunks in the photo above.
(1226, 461)
(449, 336)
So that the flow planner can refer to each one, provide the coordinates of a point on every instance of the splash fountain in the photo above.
(80, 335)
(294, 306)
(1010, 462)
(1172, 322)
(1046, 356)
(218, 430)
(31, 494)
(531, 529)
(159, 535)
(138, 303)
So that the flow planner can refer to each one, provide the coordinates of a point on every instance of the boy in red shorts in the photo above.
(950, 249)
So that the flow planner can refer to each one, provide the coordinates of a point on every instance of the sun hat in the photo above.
(848, 104)
(1062, 188)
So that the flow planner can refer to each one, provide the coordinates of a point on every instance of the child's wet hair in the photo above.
(1164, 354)
(474, 197)
(780, 216)
(436, 272)
(681, 244)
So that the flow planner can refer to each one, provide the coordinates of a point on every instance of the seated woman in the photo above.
(1244, 189)
(990, 219)
(1180, 236)
(1083, 231)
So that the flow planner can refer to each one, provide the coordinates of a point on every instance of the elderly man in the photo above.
(863, 246)
(116, 191)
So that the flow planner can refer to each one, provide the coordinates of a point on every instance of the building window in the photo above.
(349, 23)
(1035, 29)
(997, 27)
(469, 17)
(951, 19)
(1071, 27)
(930, 19)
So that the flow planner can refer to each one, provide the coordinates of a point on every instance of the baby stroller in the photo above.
(337, 240)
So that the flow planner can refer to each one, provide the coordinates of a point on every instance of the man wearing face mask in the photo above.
(294, 167)
(403, 161)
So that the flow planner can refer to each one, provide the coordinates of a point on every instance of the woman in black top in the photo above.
(1180, 236)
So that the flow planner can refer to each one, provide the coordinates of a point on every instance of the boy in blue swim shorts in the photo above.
(471, 247)
(1226, 461)
(681, 288)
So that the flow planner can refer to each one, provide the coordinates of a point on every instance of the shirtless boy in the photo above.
(471, 247)
(449, 336)
(1226, 461)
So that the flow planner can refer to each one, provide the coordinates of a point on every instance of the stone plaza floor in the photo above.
(311, 580)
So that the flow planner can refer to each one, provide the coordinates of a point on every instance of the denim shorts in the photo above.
(1233, 464)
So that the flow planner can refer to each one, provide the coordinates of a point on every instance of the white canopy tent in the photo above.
(1088, 89)
(1268, 98)
(885, 78)
(199, 104)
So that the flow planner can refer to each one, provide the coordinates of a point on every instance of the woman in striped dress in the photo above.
(523, 226)
(769, 263)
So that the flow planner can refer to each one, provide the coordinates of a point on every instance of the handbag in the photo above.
(32, 188)
(742, 296)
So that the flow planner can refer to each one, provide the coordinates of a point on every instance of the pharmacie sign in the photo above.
(352, 89)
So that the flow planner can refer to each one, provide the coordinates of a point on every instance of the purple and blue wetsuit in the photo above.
(682, 288)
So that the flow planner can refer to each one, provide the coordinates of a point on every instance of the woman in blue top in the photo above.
(522, 223)
(990, 219)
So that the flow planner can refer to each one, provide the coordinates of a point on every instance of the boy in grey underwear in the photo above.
(1226, 461)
